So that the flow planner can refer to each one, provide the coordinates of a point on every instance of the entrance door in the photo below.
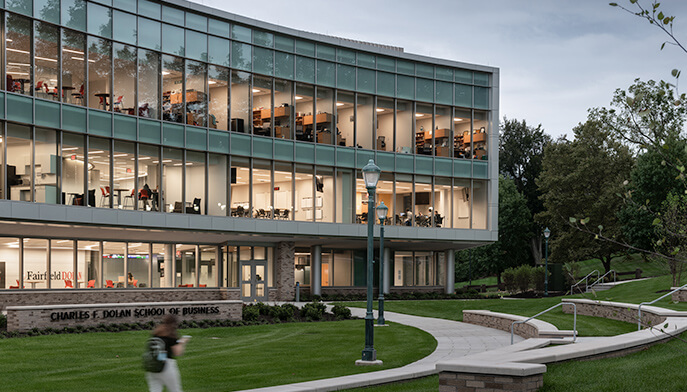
(253, 280)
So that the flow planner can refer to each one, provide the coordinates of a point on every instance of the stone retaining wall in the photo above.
(29, 297)
(614, 311)
(679, 296)
(25, 318)
(493, 321)
(471, 382)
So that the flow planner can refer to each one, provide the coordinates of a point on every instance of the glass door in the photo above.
(253, 281)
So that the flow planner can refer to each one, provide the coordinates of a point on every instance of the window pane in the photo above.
(173, 39)
(124, 79)
(305, 69)
(326, 52)
(423, 200)
(386, 64)
(149, 84)
(149, 9)
(240, 183)
(22, 6)
(99, 73)
(344, 195)
(345, 56)
(99, 175)
(479, 205)
(283, 43)
(219, 51)
(442, 132)
(345, 105)
(72, 168)
(405, 67)
(173, 16)
(304, 112)
(385, 124)
(47, 64)
(481, 79)
(196, 45)
(424, 70)
(124, 169)
(325, 118)
(305, 48)
(217, 185)
(262, 61)
(386, 84)
(73, 65)
(461, 203)
(218, 27)
(262, 189)
(100, 20)
(463, 76)
(425, 89)
(47, 10)
(137, 268)
(195, 183)
(305, 204)
(480, 134)
(149, 177)
(367, 60)
(74, 14)
(241, 33)
(345, 77)
(263, 38)
(481, 97)
(35, 260)
(18, 41)
(283, 108)
(405, 87)
(241, 56)
(218, 83)
(324, 194)
(88, 263)
(172, 98)
(283, 65)
(113, 264)
(262, 105)
(149, 33)
(423, 129)
(240, 101)
(196, 97)
(442, 201)
(461, 130)
(444, 92)
(124, 27)
(196, 21)
(172, 179)
(19, 162)
(364, 117)
(62, 260)
(208, 266)
(366, 80)
(444, 74)
(405, 137)
(326, 73)
(463, 95)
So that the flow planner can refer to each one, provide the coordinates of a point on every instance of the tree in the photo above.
(511, 249)
(580, 180)
(520, 159)
(671, 227)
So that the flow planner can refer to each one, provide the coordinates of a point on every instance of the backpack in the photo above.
(155, 355)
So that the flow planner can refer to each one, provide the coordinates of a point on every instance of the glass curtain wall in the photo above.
(73, 67)
(240, 101)
(124, 179)
(138, 260)
(172, 180)
(325, 116)
(283, 105)
(218, 94)
(385, 125)
(46, 166)
(114, 254)
(149, 177)
(423, 130)
(195, 183)
(99, 73)
(99, 171)
(36, 266)
(364, 122)
(283, 191)
(196, 94)
(305, 126)
(88, 264)
(149, 84)
(345, 126)
(308, 207)
(73, 176)
(124, 97)
(404, 200)
(462, 195)
(405, 137)
(262, 106)
(240, 188)
(442, 132)
(19, 163)
(461, 126)
(46, 47)
(324, 190)
(442, 202)
(345, 196)
(172, 89)
(479, 135)
(217, 185)
(262, 189)
(18, 48)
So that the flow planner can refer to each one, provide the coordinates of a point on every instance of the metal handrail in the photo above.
(615, 278)
(585, 280)
(639, 310)
(540, 313)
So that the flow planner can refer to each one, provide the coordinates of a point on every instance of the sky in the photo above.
(557, 58)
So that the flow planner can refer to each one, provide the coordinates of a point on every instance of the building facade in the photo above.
(164, 144)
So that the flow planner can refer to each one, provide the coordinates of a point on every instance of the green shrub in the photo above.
(250, 313)
(341, 312)
(523, 277)
(313, 310)
(508, 279)
(284, 312)
(538, 278)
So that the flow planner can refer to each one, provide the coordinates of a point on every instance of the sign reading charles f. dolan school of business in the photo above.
(105, 314)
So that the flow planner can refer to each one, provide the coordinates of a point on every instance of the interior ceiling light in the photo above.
(456, 119)
(380, 110)
(298, 97)
(419, 115)
(339, 104)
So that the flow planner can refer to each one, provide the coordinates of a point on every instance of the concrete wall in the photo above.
(459, 382)
(525, 330)
(615, 312)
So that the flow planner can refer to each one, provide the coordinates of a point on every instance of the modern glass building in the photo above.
(191, 147)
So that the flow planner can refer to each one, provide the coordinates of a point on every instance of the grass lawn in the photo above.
(489, 280)
(217, 359)
(626, 264)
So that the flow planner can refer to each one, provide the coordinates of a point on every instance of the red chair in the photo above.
(91, 284)
(202, 285)
(105, 195)
(15, 287)
(109, 283)
(68, 284)
(135, 282)
(130, 197)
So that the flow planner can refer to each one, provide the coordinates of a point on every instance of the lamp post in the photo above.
(371, 174)
(547, 233)
(381, 214)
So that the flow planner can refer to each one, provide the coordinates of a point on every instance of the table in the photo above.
(119, 195)
(67, 89)
(104, 97)
(72, 195)
(23, 84)
(33, 282)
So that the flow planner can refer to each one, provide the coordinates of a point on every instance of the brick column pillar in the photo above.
(284, 267)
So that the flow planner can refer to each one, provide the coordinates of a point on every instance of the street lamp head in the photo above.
(371, 174)
(382, 210)
(547, 233)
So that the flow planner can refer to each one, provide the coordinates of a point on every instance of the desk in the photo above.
(33, 282)
(23, 82)
(104, 97)
(72, 196)
(119, 195)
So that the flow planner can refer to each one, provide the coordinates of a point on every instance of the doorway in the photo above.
(254, 281)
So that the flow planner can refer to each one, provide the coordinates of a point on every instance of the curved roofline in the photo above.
(382, 49)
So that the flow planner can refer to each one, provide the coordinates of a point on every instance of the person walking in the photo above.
(169, 376)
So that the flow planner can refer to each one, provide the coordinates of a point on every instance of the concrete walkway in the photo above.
(454, 340)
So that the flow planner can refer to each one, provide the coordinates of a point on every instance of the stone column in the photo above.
(316, 270)
(284, 269)
(169, 265)
(450, 259)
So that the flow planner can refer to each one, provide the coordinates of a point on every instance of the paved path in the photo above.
(454, 340)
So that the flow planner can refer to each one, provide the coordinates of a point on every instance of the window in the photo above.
(262, 106)
(443, 143)
(262, 189)
(385, 124)
(18, 47)
(462, 195)
(172, 179)
(345, 125)
(217, 185)
(172, 88)
(480, 135)
(283, 107)
(99, 20)
(47, 62)
(240, 101)
(19, 162)
(73, 67)
(345, 198)
(114, 254)
(479, 205)
(173, 40)
(88, 264)
(442, 202)
(240, 186)
(364, 119)
(99, 73)
(149, 84)
(461, 126)
(306, 206)
(283, 191)
(124, 179)
(423, 129)
(10, 253)
(124, 79)
(149, 177)
(99, 171)
(196, 97)
(324, 119)
(305, 121)
(138, 261)
(404, 200)
(218, 89)
(72, 168)
(324, 194)
(195, 183)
